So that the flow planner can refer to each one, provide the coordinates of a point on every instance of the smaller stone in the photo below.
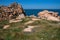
(29, 22)
(27, 30)
(31, 27)
(13, 21)
(32, 16)
(6, 26)
(35, 19)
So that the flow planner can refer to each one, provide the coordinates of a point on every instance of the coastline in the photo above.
(16, 25)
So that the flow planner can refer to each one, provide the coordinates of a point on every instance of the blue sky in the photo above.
(34, 4)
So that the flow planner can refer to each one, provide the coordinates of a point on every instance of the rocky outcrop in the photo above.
(11, 12)
(49, 15)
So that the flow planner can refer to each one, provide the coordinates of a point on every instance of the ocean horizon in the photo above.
(36, 11)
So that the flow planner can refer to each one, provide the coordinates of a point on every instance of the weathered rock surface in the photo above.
(11, 12)
(48, 15)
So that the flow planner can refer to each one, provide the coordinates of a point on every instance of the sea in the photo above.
(36, 11)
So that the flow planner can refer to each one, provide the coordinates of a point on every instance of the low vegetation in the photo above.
(45, 30)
